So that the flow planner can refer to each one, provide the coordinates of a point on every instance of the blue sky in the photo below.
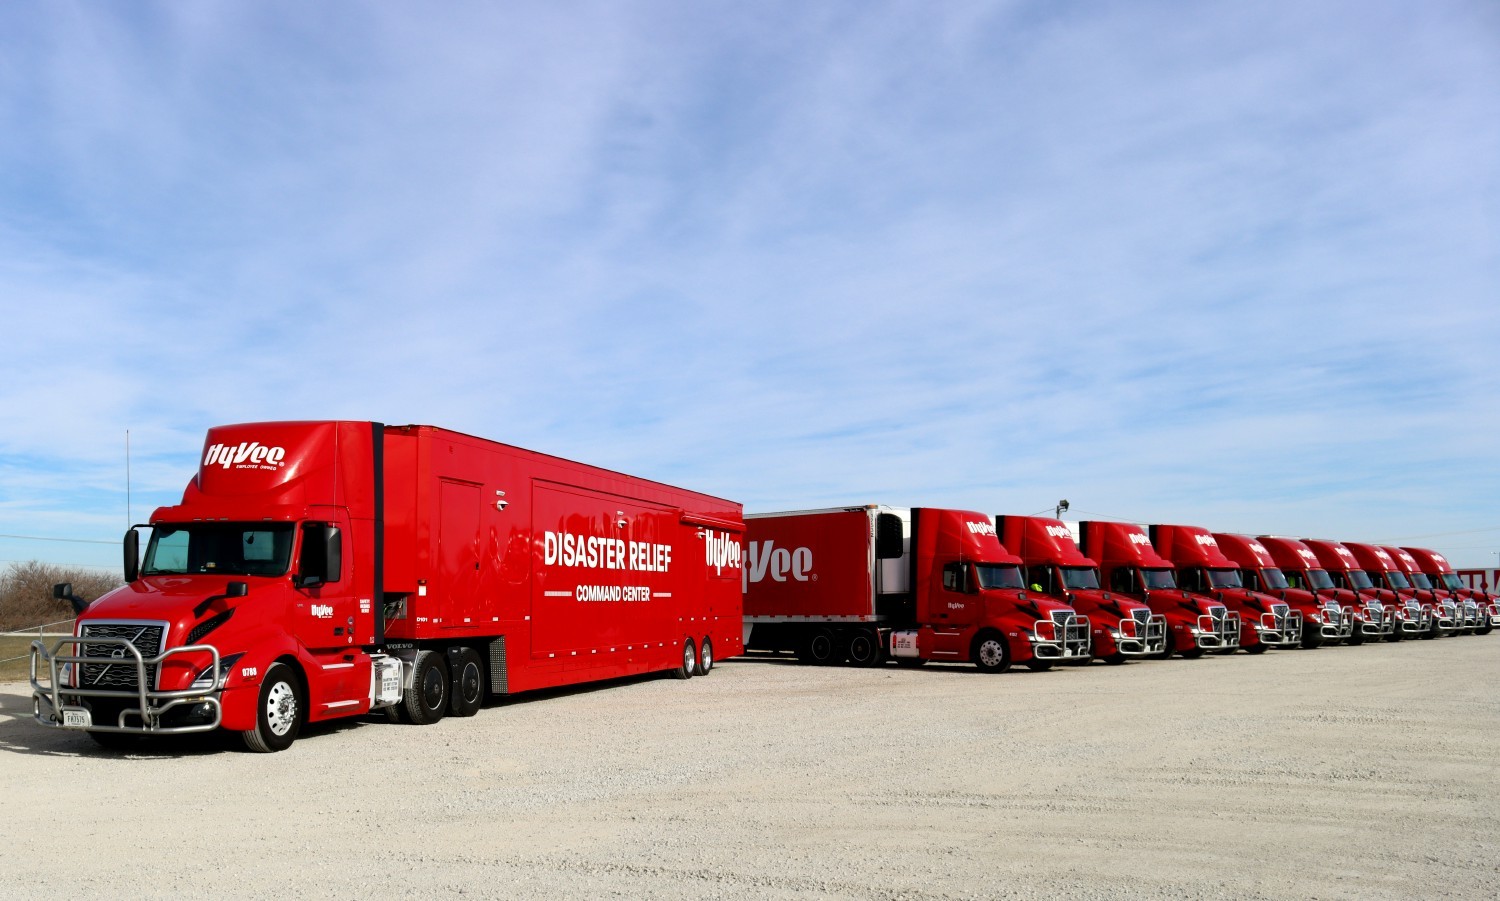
(1235, 265)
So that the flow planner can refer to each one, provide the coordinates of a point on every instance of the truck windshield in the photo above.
(991, 576)
(1358, 580)
(1225, 578)
(1398, 581)
(1451, 581)
(1080, 577)
(1157, 579)
(1274, 578)
(241, 549)
(1319, 579)
(1420, 580)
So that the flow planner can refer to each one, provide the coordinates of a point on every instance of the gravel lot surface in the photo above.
(1366, 772)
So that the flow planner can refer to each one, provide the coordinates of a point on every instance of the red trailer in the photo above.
(317, 570)
(857, 583)
(1367, 617)
(1405, 614)
(1132, 567)
(1203, 568)
(1123, 627)
(1323, 620)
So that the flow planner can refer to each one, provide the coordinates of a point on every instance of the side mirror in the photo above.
(132, 555)
(236, 590)
(62, 590)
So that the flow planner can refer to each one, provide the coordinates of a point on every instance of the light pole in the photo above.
(1058, 511)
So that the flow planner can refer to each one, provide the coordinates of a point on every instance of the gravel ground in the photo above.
(1365, 772)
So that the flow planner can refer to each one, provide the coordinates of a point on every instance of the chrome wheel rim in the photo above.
(281, 708)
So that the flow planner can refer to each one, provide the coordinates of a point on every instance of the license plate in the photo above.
(77, 719)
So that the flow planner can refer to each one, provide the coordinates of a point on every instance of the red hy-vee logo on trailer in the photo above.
(245, 455)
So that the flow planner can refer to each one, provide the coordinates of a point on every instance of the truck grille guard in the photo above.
(1281, 627)
(1338, 622)
(1066, 636)
(1219, 629)
(1142, 634)
(130, 675)
(1450, 617)
(1418, 619)
(1376, 622)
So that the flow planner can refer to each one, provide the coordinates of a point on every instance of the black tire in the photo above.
(467, 693)
(1038, 666)
(1396, 633)
(705, 657)
(689, 661)
(426, 701)
(1115, 659)
(1312, 637)
(1357, 635)
(991, 653)
(279, 713)
(819, 648)
(1258, 648)
(911, 662)
(115, 741)
(865, 649)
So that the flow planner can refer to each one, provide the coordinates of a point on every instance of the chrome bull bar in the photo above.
(1449, 618)
(1338, 622)
(1377, 622)
(63, 707)
(1219, 633)
(1280, 630)
(1138, 639)
(1069, 639)
(1415, 624)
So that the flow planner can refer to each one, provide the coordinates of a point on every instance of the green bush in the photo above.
(26, 599)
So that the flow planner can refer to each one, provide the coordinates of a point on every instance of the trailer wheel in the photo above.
(705, 657)
(427, 700)
(818, 648)
(864, 648)
(689, 661)
(279, 713)
(468, 683)
(991, 654)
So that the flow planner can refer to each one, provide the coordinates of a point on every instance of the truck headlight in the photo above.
(204, 682)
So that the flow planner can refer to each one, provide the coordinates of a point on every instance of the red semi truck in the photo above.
(1132, 567)
(1367, 617)
(1438, 619)
(1465, 614)
(1122, 626)
(317, 570)
(1323, 620)
(856, 583)
(1203, 569)
(1405, 614)
(1437, 569)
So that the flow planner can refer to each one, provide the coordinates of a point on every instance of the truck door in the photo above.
(459, 505)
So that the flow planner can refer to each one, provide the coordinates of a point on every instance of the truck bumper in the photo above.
(1218, 633)
(1068, 640)
(57, 703)
(1284, 631)
(1142, 639)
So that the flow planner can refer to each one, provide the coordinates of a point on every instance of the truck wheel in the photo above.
(689, 661)
(427, 700)
(1357, 636)
(1396, 634)
(279, 713)
(818, 649)
(1038, 666)
(1115, 659)
(991, 654)
(468, 684)
(911, 662)
(705, 657)
(864, 648)
(1312, 638)
(1258, 648)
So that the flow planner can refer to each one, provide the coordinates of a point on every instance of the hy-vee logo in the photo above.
(245, 455)
(1206, 540)
(777, 562)
(980, 528)
(1139, 538)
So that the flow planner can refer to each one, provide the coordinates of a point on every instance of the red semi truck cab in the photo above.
(1323, 620)
(1405, 615)
(1367, 617)
(317, 570)
(1122, 626)
(1132, 567)
(1466, 614)
(857, 583)
(1437, 619)
(1202, 568)
(1440, 572)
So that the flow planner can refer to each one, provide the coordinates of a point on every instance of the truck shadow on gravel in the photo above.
(21, 734)
(935, 667)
